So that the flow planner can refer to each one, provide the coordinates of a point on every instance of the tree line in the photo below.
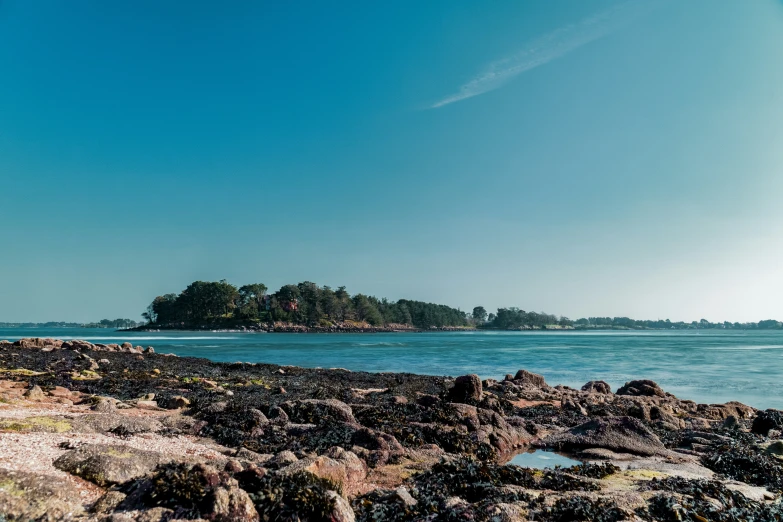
(666, 324)
(306, 303)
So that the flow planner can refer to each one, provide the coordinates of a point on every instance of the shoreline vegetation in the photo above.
(309, 308)
(119, 432)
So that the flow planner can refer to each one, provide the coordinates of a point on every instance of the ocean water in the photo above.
(705, 366)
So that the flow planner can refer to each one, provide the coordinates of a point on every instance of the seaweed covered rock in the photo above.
(198, 491)
(767, 420)
(466, 389)
(109, 464)
(317, 411)
(644, 388)
(620, 434)
(746, 463)
(699, 500)
(297, 496)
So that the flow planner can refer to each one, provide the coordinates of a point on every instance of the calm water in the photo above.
(543, 459)
(706, 366)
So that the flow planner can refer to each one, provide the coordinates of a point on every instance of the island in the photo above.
(116, 432)
(308, 307)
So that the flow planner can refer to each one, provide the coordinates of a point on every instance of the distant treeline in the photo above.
(625, 322)
(221, 303)
(113, 323)
(103, 323)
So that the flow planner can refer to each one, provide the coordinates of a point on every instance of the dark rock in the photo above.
(316, 411)
(620, 434)
(644, 388)
(108, 464)
(597, 387)
(175, 402)
(467, 388)
(427, 400)
(767, 420)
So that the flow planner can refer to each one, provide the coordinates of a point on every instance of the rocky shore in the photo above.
(118, 433)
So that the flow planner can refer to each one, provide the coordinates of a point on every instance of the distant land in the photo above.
(308, 307)
(103, 323)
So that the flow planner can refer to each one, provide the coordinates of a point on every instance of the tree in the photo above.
(251, 300)
(479, 314)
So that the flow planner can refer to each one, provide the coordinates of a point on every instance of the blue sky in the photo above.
(582, 158)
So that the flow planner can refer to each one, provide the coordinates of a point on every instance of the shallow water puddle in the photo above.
(543, 459)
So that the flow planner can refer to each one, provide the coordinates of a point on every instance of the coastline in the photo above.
(74, 415)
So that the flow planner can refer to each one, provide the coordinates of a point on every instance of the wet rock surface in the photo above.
(342, 446)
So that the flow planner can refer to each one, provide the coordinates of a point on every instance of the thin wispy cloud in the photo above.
(549, 47)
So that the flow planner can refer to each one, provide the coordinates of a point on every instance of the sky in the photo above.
(602, 158)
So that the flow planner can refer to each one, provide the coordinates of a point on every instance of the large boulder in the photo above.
(645, 388)
(109, 464)
(467, 388)
(619, 434)
(533, 379)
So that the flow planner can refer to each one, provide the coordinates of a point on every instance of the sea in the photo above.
(707, 366)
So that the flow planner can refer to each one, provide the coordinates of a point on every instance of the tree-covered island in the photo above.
(309, 307)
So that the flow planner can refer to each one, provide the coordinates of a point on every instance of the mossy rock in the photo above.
(36, 424)
(25, 496)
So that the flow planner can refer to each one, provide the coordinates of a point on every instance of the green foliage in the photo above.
(205, 303)
(514, 318)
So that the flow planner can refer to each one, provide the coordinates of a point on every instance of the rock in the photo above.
(156, 514)
(174, 403)
(147, 405)
(571, 405)
(282, 459)
(127, 347)
(776, 448)
(108, 502)
(597, 387)
(644, 388)
(342, 511)
(620, 434)
(27, 496)
(232, 504)
(767, 420)
(316, 411)
(252, 456)
(403, 496)
(109, 464)
(149, 349)
(105, 406)
(59, 391)
(526, 377)
(731, 422)
(328, 468)
(427, 400)
(467, 388)
(35, 393)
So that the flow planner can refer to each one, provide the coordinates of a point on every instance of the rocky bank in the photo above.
(117, 433)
